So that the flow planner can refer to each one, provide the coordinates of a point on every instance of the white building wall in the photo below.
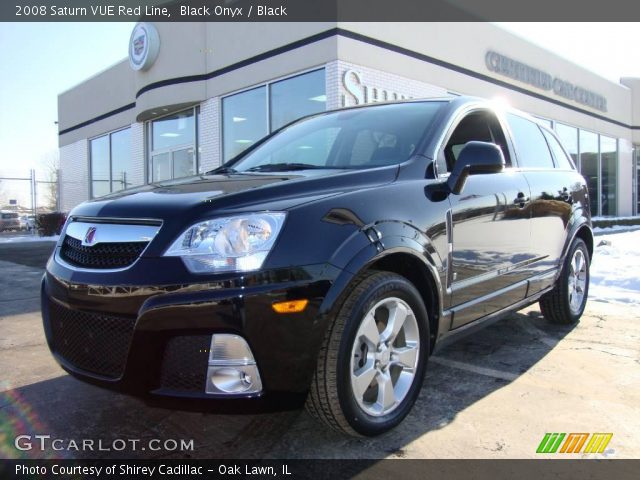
(74, 174)
(209, 134)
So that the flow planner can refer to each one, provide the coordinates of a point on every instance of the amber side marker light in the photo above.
(291, 306)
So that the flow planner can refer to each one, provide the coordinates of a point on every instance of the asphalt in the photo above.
(491, 395)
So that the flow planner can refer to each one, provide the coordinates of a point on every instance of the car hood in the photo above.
(206, 195)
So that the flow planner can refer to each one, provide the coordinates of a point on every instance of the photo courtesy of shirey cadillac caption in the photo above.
(324, 240)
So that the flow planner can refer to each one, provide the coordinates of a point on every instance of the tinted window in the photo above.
(482, 126)
(562, 161)
(531, 147)
(569, 138)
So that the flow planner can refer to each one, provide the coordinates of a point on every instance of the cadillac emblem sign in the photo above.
(144, 46)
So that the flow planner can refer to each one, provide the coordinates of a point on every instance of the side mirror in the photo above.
(475, 158)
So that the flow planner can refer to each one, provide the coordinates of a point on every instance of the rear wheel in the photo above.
(372, 362)
(568, 299)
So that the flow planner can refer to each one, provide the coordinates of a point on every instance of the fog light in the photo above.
(244, 379)
(232, 368)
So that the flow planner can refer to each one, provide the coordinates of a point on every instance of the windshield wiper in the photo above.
(222, 169)
(282, 167)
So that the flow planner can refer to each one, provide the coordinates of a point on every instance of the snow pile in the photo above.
(27, 238)
(615, 270)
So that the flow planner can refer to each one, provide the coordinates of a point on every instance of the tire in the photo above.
(565, 304)
(352, 353)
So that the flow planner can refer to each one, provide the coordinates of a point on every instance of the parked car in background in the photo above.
(27, 223)
(9, 221)
(325, 263)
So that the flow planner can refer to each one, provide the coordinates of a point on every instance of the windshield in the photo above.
(358, 138)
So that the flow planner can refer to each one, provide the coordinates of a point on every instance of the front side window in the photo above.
(478, 126)
(173, 145)
(358, 138)
(531, 147)
(569, 137)
(111, 162)
(562, 160)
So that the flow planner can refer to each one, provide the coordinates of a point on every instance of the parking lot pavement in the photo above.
(492, 395)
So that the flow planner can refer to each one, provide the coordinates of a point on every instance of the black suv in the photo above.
(324, 264)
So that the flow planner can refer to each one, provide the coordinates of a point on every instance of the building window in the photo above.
(608, 175)
(111, 162)
(244, 120)
(589, 166)
(250, 115)
(596, 156)
(296, 97)
(172, 145)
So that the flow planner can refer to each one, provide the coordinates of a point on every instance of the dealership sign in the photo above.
(360, 93)
(144, 46)
(540, 79)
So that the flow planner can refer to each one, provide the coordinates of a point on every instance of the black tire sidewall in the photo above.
(360, 421)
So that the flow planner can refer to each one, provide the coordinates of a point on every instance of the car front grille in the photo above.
(101, 255)
(184, 364)
(92, 342)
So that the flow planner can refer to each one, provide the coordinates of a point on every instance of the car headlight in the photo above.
(230, 244)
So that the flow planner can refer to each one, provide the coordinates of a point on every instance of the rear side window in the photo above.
(531, 147)
(562, 160)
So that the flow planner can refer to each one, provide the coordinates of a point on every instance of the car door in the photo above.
(554, 185)
(489, 224)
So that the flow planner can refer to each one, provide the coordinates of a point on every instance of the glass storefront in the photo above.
(250, 115)
(296, 97)
(608, 175)
(589, 166)
(597, 159)
(636, 179)
(244, 120)
(111, 162)
(172, 145)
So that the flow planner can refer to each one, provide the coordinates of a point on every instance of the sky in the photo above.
(40, 60)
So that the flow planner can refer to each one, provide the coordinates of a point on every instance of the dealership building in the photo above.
(190, 96)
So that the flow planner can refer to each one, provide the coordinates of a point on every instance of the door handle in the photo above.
(521, 200)
(566, 196)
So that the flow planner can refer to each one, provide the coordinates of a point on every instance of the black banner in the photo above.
(316, 10)
(320, 469)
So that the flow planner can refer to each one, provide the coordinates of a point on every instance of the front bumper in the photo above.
(151, 339)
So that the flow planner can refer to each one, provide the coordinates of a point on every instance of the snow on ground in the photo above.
(27, 238)
(615, 270)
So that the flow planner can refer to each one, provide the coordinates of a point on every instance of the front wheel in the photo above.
(372, 361)
(568, 299)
